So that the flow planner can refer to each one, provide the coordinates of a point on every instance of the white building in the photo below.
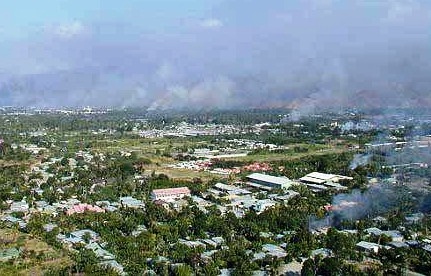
(19, 206)
(322, 181)
(322, 178)
(131, 202)
(268, 182)
(368, 246)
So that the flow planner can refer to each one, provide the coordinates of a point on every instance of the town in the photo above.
(125, 192)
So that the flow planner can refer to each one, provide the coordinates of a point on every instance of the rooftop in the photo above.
(270, 178)
(170, 191)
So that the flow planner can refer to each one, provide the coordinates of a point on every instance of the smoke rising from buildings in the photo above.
(360, 160)
(377, 200)
(307, 55)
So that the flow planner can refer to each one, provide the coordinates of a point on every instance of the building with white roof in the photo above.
(230, 189)
(317, 181)
(322, 178)
(268, 182)
(368, 246)
(131, 202)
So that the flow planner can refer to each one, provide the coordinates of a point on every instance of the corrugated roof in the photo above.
(172, 191)
(319, 175)
(226, 187)
(270, 178)
(368, 245)
(312, 180)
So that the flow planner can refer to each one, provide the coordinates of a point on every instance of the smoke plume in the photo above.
(305, 55)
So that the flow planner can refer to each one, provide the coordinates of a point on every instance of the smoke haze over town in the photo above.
(204, 54)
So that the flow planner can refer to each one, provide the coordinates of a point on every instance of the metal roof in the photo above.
(312, 180)
(319, 175)
(171, 191)
(270, 178)
(368, 245)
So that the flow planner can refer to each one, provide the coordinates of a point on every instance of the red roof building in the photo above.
(170, 194)
(82, 207)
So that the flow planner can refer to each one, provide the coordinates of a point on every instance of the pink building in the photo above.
(82, 207)
(170, 194)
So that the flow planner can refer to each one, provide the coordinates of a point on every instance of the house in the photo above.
(285, 197)
(19, 206)
(412, 243)
(349, 231)
(141, 228)
(11, 220)
(207, 255)
(209, 242)
(192, 244)
(397, 244)
(395, 235)
(262, 205)
(269, 182)
(100, 253)
(114, 265)
(82, 207)
(274, 250)
(380, 220)
(230, 189)
(40, 205)
(218, 240)
(49, 227)
(324, 252)
(369, 247)
(69, 241)
(170, 194)
(131, 202)
(10, 253)
(414, 218)
(374, 231)
(108, 206)
(81, 234)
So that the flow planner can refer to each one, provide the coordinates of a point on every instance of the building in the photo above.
(11, 221)
(321, 181)
(269, 182)
(19, 206)
(170, 194)
(100, 253)
(114, 265)
(8, 254)
(262, 205)
(83, 207)
(322, 178)
(394, 235)
(369, 247)
(324, 252)
(274, 250)
(231, 190)
(131, 202)
(81, 235)
(49, 227)
(414, 218)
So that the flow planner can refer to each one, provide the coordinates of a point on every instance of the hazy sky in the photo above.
(205, 54)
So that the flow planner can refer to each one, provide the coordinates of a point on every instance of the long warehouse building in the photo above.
(269, 182)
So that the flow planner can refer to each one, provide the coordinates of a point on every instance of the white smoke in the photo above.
(360, 160)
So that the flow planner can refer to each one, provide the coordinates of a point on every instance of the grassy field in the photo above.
(286, 156)
(153, 150)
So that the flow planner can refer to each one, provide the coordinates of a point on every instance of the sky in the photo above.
(206, 54)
